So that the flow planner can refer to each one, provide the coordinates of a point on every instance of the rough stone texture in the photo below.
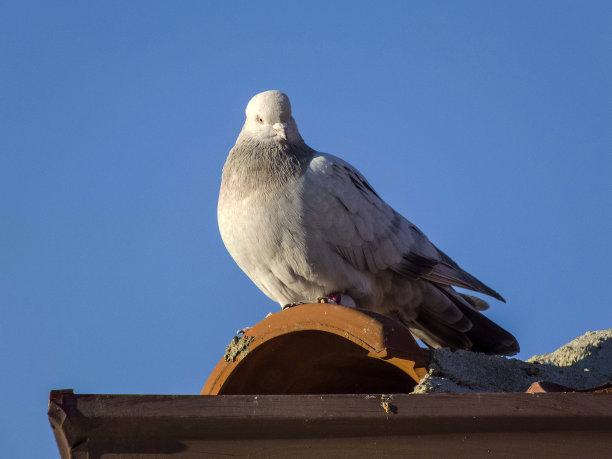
(590, 352)
(583, 363)
(238, 346)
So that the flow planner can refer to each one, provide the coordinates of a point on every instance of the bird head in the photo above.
(268, 118)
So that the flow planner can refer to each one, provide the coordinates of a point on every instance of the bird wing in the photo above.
(348, 214)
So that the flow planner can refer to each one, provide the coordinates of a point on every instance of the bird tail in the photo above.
(473, 332)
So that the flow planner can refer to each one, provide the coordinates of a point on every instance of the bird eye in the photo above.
(259, 120)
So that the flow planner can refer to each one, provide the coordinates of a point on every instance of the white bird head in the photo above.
(268, 117)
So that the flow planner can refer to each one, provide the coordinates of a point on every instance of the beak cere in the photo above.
(280, 130)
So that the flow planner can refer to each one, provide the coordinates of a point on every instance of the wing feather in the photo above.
(370, 235)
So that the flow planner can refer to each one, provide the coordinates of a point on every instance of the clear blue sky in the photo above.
(488, 124)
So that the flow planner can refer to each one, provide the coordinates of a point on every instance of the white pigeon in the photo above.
(305, 225)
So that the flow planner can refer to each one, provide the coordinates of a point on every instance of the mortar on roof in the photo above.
(583, 363)
(236, 347)
(591, 351)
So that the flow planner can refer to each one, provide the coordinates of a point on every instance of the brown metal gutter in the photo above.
(400, 425)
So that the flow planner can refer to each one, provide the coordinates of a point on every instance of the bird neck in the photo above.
(255, 166)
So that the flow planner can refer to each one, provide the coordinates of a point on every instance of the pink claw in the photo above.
(335, 297)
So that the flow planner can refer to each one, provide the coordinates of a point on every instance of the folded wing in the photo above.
(370, 235)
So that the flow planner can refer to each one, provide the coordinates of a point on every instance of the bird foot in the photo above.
(334, 298)
(290, 305)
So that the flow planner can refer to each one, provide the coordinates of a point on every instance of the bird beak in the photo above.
(280, 130)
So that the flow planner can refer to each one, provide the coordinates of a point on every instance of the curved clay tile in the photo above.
(320, 348)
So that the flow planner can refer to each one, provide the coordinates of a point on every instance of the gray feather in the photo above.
(304, 224)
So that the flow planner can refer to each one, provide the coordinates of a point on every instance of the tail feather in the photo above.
(477, 303)
(483, 335)
(489, 337)
(437, 334)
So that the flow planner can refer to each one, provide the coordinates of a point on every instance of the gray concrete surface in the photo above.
(583, 363)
